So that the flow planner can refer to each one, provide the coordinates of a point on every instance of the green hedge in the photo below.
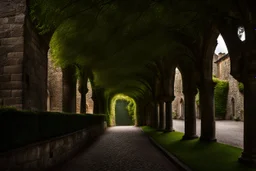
(19, 128)
(220, 96)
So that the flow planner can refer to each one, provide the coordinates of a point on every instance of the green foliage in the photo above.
(19, 128)
(131, 108)
(117, 39)
(197, 97)
(241, 87)
(212, 156)
(220, 95)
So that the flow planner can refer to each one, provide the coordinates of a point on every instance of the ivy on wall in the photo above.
(220, 97)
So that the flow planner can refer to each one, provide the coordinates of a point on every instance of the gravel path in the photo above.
(122, 148)
(227, 132)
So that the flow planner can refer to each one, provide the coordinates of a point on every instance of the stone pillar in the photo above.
(161, 114)
(190, 114)
(206, 97)
(69, 90)
(249, 153)
(155, 115)
(168, 115)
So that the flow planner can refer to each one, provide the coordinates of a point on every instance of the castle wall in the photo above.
(23, 59)
(235, 107)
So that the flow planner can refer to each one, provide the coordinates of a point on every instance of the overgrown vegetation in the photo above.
(19, 128)
(220, 97)
(197, 155)
(118, 39)
(241, 87)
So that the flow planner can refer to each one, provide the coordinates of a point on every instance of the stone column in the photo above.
(155, 115)
(249, 153)
(206, 97)
(190, 114)
(168, 115)
(69, 89)
(161, 114)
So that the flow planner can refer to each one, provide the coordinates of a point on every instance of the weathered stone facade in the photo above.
(55, 85)
(23, 66)
(221, 69)
(89, 101)
(235, 103)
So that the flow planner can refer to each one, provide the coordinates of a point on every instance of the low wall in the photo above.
(44, 155)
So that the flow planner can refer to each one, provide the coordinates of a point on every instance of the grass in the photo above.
(199, 156)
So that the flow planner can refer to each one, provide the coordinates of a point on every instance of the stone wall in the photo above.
(235, 103)
(12, 20)
(44, 155)
(23, 62)
(178, 104)
(35, 65)
(55, 90)
(54, 86)
(89, 101)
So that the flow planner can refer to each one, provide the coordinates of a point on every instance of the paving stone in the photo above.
(122, 148)
(227, 132)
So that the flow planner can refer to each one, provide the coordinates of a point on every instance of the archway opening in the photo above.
(178, 105)
(123, 110)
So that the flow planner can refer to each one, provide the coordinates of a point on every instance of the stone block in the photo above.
(12, 41)
(16, 93)
(15, 55)
(14, 69)
(13, 61)
(5, 78)
(4, 34)
(33, 153)
(16, 77)
(20, 18)
(11, 85)
(12, 101)
(5, 93)
(3, 20)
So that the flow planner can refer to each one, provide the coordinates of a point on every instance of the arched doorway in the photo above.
(122, 115)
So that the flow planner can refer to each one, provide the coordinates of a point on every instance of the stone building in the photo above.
(221, 70)
(55, 81)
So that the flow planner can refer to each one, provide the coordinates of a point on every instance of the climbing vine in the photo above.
(220, 97)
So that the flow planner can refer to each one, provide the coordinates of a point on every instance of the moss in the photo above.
(198, 155)
(241, 87)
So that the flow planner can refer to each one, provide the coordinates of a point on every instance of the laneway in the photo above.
(122, 148)
(227, 132)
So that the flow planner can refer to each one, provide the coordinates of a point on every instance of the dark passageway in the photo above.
(122, 116)
(122, 148)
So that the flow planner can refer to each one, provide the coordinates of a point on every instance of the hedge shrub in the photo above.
(19, 128)
(220, 96)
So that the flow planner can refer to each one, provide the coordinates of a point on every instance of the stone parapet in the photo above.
(46, 154)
